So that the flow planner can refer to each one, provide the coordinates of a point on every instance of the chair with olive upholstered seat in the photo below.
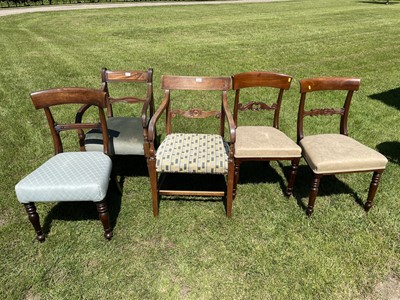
(69, 176)
(262, 142)
(328, 154)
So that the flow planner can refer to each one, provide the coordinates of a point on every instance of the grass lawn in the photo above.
(269, 249)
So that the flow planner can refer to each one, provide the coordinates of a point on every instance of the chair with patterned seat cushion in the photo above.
(188, 152)
(327, 153)
(128, 133)
(69, 176)
(261, 142)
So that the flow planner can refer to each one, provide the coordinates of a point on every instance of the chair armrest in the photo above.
(154, 119)
(148, 103)
(231, 123)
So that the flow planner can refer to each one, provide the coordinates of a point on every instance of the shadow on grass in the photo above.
(329, 185)
(130, 166)
(77, 211)
(391, 150)
(261, 172)
(379, 2)
(391, 97)
(74, 211)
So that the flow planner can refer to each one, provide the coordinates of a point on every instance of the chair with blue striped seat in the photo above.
(69, 176)
(191, 150)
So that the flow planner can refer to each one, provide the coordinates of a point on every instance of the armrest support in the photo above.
(154, 119)
(149, 103)
(231, 123)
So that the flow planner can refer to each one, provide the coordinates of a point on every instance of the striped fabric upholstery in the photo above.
(193, 153)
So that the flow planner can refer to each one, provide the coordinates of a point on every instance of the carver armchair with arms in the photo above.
(69, 176)
(185, 152)
(128, 133)
(328, 154)
(262, 142)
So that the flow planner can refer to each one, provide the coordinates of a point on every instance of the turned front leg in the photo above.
(376, 177)
(313, 193)
(35, 221)
(292, 176)
(104, 217)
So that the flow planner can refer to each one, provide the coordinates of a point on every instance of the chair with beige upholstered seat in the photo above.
(188, 149)
(262, 142)
(328, 154)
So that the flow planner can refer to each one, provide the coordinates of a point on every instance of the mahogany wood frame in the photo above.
(48, 98)
(281, 82)
(331, 84)
(169, 83)
(130, 76)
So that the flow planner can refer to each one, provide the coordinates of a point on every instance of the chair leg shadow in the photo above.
(329, 185)
(77, 211)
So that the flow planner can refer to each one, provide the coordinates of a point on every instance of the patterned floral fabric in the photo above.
(193, 153)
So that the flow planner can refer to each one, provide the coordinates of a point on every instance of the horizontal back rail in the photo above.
(196, 83)
(261, 79)
(329, 83)
(60, 96)
(125, 76)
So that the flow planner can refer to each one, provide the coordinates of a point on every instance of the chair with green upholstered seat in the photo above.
(328, 154)
(127, 132)
(188, 150)
(69, 176)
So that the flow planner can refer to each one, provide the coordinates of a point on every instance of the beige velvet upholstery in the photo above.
(264, 141)
(262, 91)
(329, 154)
(337, 153)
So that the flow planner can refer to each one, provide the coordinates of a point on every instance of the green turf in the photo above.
(269, 249)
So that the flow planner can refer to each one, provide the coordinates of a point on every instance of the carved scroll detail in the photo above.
(324, 111)
(195, 113)
(256, 105)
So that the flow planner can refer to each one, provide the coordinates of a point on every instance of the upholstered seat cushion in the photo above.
(70, 176)
(193, 153)
(126, 137)
(264, 142)
(335, 153)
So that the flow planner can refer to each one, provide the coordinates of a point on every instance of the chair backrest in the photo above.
(52, 97)
(348, 85)
(280, 82)
(193, 83)
(130, 76)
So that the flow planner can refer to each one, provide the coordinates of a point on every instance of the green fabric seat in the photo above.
(125, 134)
(69, 176)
